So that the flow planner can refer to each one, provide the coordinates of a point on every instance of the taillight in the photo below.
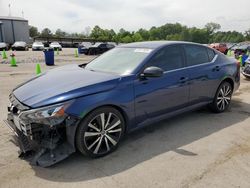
(238, 64)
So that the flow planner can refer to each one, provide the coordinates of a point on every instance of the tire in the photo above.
(222, 98)
(100, 132)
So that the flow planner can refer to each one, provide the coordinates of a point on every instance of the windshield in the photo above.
(20, 43)
(38, 43)
(120, 61)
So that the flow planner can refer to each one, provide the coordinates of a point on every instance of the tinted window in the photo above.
(211, 54)
(102, 46)
(196, 54)
(168, 58)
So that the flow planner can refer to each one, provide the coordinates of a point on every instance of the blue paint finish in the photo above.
(141, 100)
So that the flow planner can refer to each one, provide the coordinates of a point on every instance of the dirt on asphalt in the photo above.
(196, 149)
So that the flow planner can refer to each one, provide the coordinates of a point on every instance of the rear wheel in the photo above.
(222, 98)
(100, 132)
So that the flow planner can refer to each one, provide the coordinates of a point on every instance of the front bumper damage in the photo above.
(41, 145)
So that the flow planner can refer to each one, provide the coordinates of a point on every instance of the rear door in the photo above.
(204, 72)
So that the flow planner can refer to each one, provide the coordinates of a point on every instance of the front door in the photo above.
(158, 96)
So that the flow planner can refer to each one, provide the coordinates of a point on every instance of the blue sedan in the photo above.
(91, 107)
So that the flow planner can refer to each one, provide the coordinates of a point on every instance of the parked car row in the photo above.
(88, 48)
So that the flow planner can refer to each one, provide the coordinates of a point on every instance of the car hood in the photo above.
(62, 84)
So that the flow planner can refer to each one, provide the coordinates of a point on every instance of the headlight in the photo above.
(51, 115)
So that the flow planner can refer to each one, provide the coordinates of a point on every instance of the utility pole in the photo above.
(9, 11)
(22, 14)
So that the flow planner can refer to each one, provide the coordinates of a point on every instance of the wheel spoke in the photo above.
(111, 139)
(113, 126)
(219, 102)
(98, 145)
(107, 144)
(115, 131)
(228, 92)
(103, 120)
(94, 143)
(88, 134)
(94, 127)
(226, 101)
(227, 98)
(222, 92)
(223, 105)
(107, 123)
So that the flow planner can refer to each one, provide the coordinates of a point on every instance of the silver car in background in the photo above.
(55, 46)
(4, 46)
(37, 46)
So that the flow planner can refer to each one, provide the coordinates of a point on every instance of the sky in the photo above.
(77, 15)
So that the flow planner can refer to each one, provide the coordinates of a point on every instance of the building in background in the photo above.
(13, 29)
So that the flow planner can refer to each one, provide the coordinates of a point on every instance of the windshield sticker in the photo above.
(143, 50)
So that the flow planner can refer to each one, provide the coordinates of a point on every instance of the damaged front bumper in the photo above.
(41, 144)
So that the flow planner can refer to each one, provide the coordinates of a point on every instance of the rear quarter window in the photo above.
(211, 54)
(196, 55)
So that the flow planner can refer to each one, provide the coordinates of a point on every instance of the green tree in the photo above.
(212, 27)
(247, 34)
(46, 33)
(137, 37)
(33, 31)
(60, 33)
(127, 39)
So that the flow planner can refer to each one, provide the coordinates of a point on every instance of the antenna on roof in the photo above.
(22, 14)
(9, 10)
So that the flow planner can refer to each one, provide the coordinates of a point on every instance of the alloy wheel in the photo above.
(224, 97)
(103, 133)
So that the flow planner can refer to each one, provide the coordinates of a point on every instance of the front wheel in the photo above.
(100, 132)
(222, 98)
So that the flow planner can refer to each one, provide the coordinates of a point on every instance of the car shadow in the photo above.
(144, 144)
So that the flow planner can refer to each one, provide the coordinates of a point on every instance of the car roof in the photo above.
(154, 44)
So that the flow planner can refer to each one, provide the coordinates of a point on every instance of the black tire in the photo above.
(98, 134)
(222, 98)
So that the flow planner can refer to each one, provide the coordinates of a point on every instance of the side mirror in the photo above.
(152, 72)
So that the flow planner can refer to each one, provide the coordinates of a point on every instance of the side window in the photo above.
(102, 46)
(211, 54)
(168, 58)
(196, 54)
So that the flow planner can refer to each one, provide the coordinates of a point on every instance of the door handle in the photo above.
(183, 80)
(217, 68)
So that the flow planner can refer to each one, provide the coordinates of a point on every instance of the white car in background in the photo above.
(55, 46)
(4, 46)
(37, 46)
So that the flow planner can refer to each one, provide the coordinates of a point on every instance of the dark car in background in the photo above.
(20, 45)
(84, 47)
(4, 46)
(99, 48)
(91, 107)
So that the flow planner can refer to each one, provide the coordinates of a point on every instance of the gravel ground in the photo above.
(197, 149)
